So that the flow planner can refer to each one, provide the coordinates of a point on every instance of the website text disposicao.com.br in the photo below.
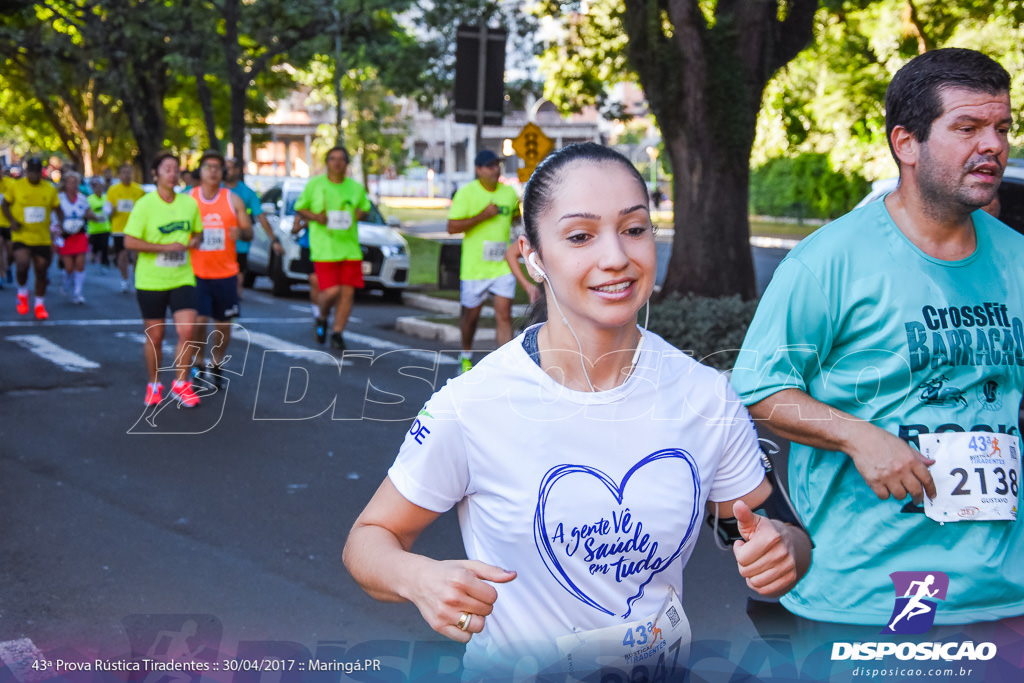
(957, 658)
(911, 672)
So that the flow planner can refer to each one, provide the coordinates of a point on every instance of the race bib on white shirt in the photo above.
(73, 225)
(339, 220)
(35, 214)
(172, 259)
(977, 476)
(214, 239)
(651, 649)
(125, 205)
(494, 251)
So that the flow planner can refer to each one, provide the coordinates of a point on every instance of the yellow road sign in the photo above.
(531, 145)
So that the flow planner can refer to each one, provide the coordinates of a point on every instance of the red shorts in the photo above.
(75, 244)
(334, 273)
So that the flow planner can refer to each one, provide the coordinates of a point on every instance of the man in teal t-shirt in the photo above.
(333, 205)
(884, 337)
(483, 211)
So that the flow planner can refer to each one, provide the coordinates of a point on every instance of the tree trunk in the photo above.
(711, 249)
(238, 76)
(143, 97)
(704, 84)
(206, 104)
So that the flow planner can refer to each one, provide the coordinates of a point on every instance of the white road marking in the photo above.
(306, 309)
(292, 350)
(385, 345)
(108, 322)
(140, 338)
(75, 363)
(58, 355)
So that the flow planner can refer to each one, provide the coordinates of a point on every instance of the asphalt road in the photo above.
(218, 531)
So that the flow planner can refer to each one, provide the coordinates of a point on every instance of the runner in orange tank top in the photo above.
(216, 267)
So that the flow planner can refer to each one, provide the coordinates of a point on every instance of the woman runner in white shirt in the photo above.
(580, 457)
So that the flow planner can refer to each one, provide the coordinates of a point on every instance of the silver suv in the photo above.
(385, 251)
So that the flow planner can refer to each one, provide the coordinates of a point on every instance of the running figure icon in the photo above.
(915, 606)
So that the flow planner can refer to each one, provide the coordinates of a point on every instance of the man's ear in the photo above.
(905, 146)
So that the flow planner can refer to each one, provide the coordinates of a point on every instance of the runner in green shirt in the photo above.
(333, 205)
(99, 231)
(484, 210)
(162, 227)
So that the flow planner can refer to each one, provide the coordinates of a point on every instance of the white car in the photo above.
(385, 251)
(1011, 194)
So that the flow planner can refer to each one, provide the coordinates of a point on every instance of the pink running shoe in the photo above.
(182, 391)
(154, 393)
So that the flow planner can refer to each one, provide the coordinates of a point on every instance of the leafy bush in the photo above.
(804, 186)
(712, 329)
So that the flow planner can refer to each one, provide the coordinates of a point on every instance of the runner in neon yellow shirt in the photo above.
(122, 197)
(99, 231)
(163, 226)
(6, 257)
(333, 205)
(28, 204)
(484, 211)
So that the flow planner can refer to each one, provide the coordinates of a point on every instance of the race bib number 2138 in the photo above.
(977, 476)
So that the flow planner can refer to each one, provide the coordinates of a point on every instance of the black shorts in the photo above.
(43, 251)
(217, 298)
(5, 234)
(153, 304)
(118, 244)
(99, 241)
(303, 264)
(243, 260)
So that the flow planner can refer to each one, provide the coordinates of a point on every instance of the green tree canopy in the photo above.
(830, 99)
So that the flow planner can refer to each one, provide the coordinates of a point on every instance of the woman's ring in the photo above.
(463, 623)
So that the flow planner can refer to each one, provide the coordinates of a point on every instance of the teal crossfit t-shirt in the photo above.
(252, 206)
(338, 240)
(861, 319)
(483, 246)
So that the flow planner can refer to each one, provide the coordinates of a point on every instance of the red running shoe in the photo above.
(22, 304)
(154, 393)
(182, 391)
(41, 313)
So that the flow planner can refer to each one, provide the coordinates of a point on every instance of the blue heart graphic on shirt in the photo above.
(659, 562)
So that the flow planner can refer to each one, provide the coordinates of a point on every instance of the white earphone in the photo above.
(532, 260)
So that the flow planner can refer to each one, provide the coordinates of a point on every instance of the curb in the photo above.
(418, 326)
(448, 334)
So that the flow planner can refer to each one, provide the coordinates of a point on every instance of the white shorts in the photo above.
(473, 293)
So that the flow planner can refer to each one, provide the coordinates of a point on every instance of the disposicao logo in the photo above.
(917, 594)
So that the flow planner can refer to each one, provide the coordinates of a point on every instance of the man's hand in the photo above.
(886, 462)
(891, 466)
